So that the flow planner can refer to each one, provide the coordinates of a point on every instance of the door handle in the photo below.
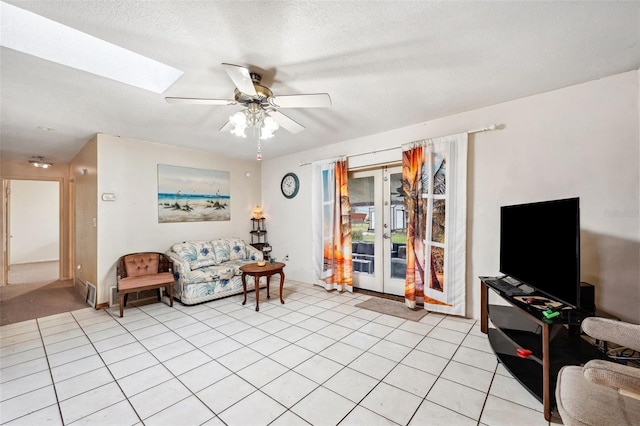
(386, 235)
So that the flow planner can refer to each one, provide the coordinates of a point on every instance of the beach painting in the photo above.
(192, 195)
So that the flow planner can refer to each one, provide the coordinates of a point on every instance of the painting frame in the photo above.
(187, 194)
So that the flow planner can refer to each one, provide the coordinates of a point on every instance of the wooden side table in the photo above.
(256, 272)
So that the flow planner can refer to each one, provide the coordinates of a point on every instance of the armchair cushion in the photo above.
(622, 333)
(613, 375)
(581, 402)
(141, 281)
(141, 264)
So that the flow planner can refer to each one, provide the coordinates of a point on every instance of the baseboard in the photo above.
(80, 288)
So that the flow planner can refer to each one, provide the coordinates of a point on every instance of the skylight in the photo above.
(35, 35)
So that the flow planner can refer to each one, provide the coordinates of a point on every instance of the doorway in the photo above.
(379, 231)
(33, 231)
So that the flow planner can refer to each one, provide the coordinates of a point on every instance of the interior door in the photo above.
(6, 246)
(378, 227)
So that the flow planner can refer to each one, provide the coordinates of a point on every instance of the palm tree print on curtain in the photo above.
(413, 162)
(434, 179)
(331, 223)
(338, 254)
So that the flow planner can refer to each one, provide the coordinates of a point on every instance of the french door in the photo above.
(378, 229)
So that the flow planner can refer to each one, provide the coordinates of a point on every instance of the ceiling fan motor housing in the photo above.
(263, 93)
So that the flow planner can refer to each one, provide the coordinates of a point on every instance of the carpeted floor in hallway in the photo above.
(23, 302)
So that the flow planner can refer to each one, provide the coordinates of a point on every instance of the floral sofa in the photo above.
(208, 270)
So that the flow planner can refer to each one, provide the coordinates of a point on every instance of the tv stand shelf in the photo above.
(553, 343)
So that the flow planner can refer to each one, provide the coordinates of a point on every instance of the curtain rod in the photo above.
(375, 151)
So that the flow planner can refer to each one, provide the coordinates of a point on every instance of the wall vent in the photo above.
(113, 296)
(114, 299)
(91, 294)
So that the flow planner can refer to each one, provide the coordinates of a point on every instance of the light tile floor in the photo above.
(316, 360)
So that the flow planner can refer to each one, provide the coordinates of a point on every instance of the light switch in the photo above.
(108, 196)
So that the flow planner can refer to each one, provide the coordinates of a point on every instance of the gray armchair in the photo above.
(602, 392)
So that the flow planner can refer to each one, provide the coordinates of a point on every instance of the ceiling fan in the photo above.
(261, 106)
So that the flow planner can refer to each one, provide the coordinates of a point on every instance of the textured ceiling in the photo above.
(386, 64)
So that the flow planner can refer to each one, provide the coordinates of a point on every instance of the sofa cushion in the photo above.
(238, 249)
(202, 263)
(236, 264)
(209, 274)
(197, 253)
(222, 250)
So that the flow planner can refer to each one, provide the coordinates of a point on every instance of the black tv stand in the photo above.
(530, 346)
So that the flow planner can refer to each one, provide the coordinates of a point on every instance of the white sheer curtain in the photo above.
(435, 174)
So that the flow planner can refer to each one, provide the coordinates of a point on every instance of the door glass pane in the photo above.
(361, 197)
(398, 228)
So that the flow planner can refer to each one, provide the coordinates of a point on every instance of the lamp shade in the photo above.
(257, 212)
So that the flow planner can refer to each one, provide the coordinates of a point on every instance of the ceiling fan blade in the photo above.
(286, 122)
(314, 100)
(200, 101)
(241, 78)
(226, 127)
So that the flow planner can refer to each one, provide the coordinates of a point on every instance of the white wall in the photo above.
(35, 221)
(578, 141)
(128, 169)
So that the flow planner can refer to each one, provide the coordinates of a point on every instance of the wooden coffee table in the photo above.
(256, 272)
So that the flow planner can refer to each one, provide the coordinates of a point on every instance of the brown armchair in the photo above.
(602, 392)
(143, 271)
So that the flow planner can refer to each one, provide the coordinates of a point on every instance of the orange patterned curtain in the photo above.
(413, 162)
(331, 223)
(342, 278)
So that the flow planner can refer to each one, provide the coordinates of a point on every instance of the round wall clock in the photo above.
(290, 185)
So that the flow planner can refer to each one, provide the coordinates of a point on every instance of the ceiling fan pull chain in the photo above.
(259, 153)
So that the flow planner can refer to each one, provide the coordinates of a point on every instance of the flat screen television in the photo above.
(540, 246)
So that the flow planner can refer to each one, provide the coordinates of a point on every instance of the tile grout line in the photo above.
(160, 363)
(110, 373)
(246, 319)
(440, 376)
(53, 382)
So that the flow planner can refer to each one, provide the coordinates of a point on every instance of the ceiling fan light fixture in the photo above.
(255, 117)
(239, 124)
(269, 126)
(39, 161)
